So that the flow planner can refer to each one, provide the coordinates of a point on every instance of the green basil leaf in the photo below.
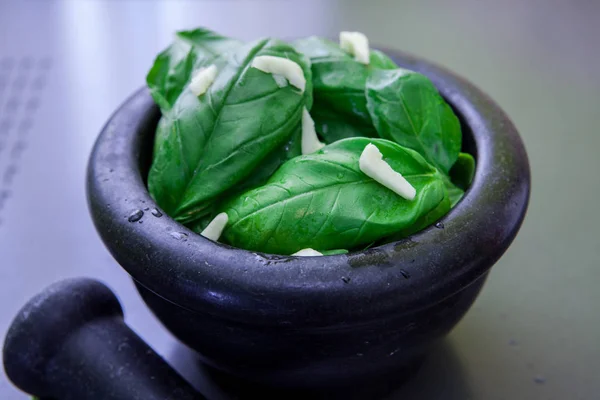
(259, 176)
(406, 108)
(427, 219)
(455, 194)
(173, 67)
(199, 224)
(207, 145)
(380, 60)
(323, 200)
(424, 221)
(287, 151)
(333, 126)
(434, 215)
(334, 252)
(339, 84)
(463, 171)
(208, 42)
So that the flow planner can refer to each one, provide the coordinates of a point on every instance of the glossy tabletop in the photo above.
(534, 331)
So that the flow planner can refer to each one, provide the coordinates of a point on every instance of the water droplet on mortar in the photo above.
(135, 216)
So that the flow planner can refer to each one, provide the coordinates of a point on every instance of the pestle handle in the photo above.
(70, 342)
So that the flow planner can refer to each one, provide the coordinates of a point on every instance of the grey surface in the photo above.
(533, 333)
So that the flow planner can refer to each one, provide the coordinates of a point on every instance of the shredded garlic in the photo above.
(357, 44)
(280, 80)
(202, 80)
(307, 253)
(281, 66)
(372, 164)
(215, 228)
(310, 140)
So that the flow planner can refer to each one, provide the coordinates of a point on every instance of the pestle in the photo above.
(70, 342)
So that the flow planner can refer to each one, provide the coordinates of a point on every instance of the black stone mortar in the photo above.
(312, 321)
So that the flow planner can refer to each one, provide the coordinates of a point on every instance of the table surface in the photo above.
(534, 331)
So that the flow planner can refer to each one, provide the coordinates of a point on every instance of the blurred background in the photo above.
(534, 332)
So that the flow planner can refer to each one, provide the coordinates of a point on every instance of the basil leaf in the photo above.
(339, 84)
(173, 67)
(455, 194)
(434, 215)
(199, 224)
(207, 145)
(424, 221)
(287, 151)
(463, 171)
(380, 60)
(323, 200)
(260, 175)
(406, 108)
(334, 252)
(452, 196)
(333, 126)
